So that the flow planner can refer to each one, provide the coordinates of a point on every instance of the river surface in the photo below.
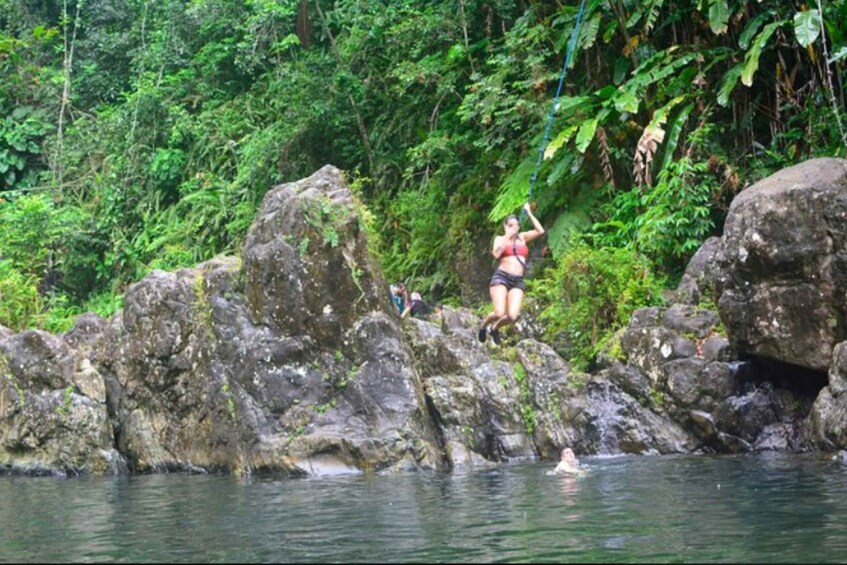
(764, 508)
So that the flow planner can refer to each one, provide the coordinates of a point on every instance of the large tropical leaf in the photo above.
(751, 28)
(730, 79)
(586, 134)
(567, 165)
(652, 11)
(588, 35)
(718, 16)
(751, 59)
(660, 116)
(674, 130)
(655, 69)
(513, 191)
(807, 27)
(562, 138)
(626, 101)
(567, 103)
(576, 218)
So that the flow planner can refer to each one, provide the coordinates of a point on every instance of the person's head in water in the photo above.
(569, 463)
(568, 456)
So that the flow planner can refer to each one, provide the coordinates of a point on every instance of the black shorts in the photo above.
(509, 281)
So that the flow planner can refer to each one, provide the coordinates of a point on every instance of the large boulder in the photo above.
(169, 408)
(53, 414)
(474, 398)
(294, 362)
(783, 273)
(826, 427)
(698, 281)
(306, 261)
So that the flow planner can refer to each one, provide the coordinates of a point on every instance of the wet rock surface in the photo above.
(291, 359)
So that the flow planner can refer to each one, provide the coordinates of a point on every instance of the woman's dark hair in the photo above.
(510, 217)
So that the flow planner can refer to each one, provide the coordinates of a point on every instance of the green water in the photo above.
(765, 508)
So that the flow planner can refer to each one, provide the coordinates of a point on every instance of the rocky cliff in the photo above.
(291, 358)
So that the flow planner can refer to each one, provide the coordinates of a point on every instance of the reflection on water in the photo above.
(718, 509)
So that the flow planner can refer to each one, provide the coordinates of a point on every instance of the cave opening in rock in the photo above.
(804, 383)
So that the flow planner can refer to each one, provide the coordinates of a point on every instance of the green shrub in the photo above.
(588, 294)
(19, 304)
(35, 232)
(21, 132)
(59, 314)
(677, 215)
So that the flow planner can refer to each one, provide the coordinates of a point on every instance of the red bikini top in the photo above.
(516, 249)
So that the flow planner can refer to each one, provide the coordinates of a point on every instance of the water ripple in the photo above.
(625, 509)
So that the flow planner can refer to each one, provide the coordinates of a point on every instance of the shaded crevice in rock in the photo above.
(804, 383)
(438, 426)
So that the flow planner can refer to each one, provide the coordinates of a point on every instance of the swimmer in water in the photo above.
(569, 464)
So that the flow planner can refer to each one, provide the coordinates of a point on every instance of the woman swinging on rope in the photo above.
(507, 287)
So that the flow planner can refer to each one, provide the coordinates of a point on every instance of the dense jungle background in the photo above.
(143, 134)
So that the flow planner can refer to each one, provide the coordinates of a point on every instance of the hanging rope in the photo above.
(568, 55)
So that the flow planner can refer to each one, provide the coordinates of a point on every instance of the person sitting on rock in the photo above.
(416, 307)
(400, 297)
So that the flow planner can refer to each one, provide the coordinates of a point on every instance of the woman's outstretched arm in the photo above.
(538, 230)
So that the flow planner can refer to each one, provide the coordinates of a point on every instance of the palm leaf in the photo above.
(674, 130)
(751, 28)
(586, 134)
(751, 59)
(718, 16)
(730, 79)
(513, 191)
(575, 219)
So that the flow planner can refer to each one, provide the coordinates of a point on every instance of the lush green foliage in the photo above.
(590, 293)
(19, 300)
(137, 134)
(20, 135)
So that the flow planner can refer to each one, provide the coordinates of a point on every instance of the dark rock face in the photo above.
(53, 416)
(698, 281)
(680, 367)
(783, 265)
(295, 361)
(38, 360)
(86, 331)
(306, 261)
(293, 364)
(779, 275)
(474, 266)
(826, 427)
(169, 404)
